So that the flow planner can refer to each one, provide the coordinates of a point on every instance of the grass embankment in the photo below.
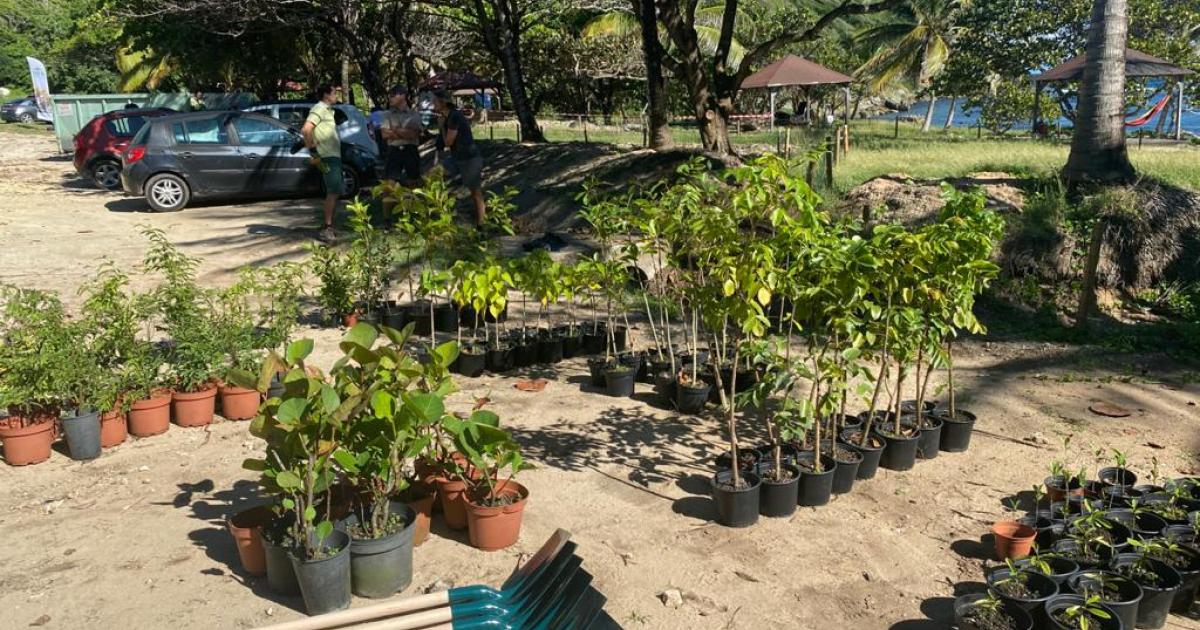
(34, 128)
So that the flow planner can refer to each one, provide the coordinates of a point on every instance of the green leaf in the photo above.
(324, 530)
(485, 417)
(329, 398)
(345, 460)
(728, 288)
(288, 480)
(310, 513)
(383, 404)
(290, 410)
(298, 350)
(427, 407)
(242, 378)
(362, 335)
(257, 465)
(288, 503)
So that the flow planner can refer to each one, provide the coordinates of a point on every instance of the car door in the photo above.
(210, 160)
(268, 161)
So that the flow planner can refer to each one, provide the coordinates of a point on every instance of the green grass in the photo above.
(27, 128)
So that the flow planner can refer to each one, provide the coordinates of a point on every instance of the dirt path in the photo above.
(136, 538)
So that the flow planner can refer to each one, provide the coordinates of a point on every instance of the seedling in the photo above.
(1085, 616)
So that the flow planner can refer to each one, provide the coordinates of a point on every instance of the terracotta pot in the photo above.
(150, 416)
(194, 409)
(349, 321)
(239, 403)
(424, 509)
(454, 504)
(113, 429)
(1013, 539)
(30, 444)
(246, 528)
(495, 528)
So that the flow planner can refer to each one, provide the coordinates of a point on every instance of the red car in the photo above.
(99, 145)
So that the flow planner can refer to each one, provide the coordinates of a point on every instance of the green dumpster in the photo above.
(72, 111)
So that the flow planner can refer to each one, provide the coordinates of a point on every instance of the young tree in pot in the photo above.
(1074, 612)
(980, 611)
(1027, 589)
(1159, 581)
(335, 272)
(373, 257)
(469, 295)
(1185, 559)
(110, 312)
(1121, 594)
(495, 506)
(785, 425)
(490, 288)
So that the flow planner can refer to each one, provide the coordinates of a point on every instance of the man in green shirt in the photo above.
(321, 138)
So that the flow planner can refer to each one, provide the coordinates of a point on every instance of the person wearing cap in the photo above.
(401, 130)
(465, 161)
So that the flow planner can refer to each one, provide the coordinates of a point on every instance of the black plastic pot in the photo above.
(871, 452)
(956, 431)
(1156, 600)
(1043, 589)
(620, 337)
(383, 567)
(524, 352)
(1061, 569)
(1124, 603)
(594, 340)
(1059, 603)
(778, 498)
(749, 458)
(846, 463)
(736, 507)
(1070, 548)
(1113, 476)
(470, 363)
(83, 435)
(597, 366)
(691, 398)
(549, 350)
(931, 437)
(1118, 496)
(445, 317)
(619, 381)
(499, 360)
(1182, 534)
(1048, 530)
(815, 487)
(1142, 525)
(901, 451)
(1189, 575)
(655, 367)
(281, 577)
(1118, 533)
(910, 406)
(325, 581)
(572, 345)
(963, 604)
(418, 315)
(395, 316)
(664, 385)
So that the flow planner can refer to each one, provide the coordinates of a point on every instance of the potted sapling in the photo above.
(1184, 558)
(1023, 587)
(620, 371)
(495, 501)
(470, 296)
(524, 273)
(111, 314)
(1159, 581)
(985, 611)
(335, 272)
(1052, 565)
(1118, 474)
(372, 256)
(571, 332)
(1121, 594)
(1077, 612)
(779, 474)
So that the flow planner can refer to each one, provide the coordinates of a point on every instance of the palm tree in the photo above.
(915, 45)
(1098, 145)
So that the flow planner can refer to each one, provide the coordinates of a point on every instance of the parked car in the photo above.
(227, 154)
(99, 145)
(352, 124)
(20, 110)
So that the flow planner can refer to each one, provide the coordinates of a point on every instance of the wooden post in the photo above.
(645, 132)
(897, 134)
(829, 162)
(979, 130)
(837, 144)
(787, 142)
(1037, 106)
(846, 139)
(811, 174)
(583, 123)
(778, 142)
(491, 131)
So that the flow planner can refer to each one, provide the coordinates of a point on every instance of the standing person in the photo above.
(465, 159)
(321, 138)
(401, 130)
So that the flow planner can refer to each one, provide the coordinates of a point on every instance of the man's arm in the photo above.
(307, 132)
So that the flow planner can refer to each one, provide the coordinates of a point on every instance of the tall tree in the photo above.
(1098, 151)
(658, 115)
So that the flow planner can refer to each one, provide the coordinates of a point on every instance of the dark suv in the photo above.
(99, 145)
(175, 159)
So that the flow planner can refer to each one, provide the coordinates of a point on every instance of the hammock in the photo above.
(1145, 118)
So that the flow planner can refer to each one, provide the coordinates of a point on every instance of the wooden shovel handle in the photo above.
(367, 613)
(438, 617)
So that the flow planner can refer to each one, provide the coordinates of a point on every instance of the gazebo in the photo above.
(793, 71)
(1137, 64)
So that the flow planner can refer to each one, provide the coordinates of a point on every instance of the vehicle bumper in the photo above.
(133, 178)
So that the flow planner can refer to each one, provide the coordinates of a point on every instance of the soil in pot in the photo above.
(194, 409)
(83, 435)
(747, 457)
(28, 438)
(1027, 589)
(494, 521)
(246, 528)
(1113, 476)
(968, 615)
(737, 505)
(929, 443)
(1013, 539)
(471, 361)
(1118, 592)
(847, 462)
(238, 403)
(815, 487)
(499, 359)
(871, 452)
(382, 567)
(150, 416)
(619, 381)
(957, 430)
(690, 398)
(1055, 568)
(325, 580)
(113, 429)
(778, 494)
(454, 507)
(1089, 558)
(1159, 584)
(901, 450)
(1056, 614)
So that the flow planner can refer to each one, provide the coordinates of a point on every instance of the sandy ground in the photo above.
(135, 539)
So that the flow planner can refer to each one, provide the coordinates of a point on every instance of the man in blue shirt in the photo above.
(465, 161)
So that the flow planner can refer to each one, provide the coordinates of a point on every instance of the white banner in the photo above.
(41, 88)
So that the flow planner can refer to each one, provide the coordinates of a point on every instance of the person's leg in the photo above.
(472, 178)
(480, 206)
(335, 186)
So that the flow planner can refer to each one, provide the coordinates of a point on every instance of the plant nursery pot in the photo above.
(619, 382)
(1061, 569)
(1124, 602)
(1059, 603)
(524, 353)
(499, 360)
(931, 438)
(815, 487)
(748, 458)
(778, 498)
(1042, 588)
(549, 350)
(594, 342)
(418, 316)
(965, 604)
(1118, 533)
(956, 431)
(901, 450)
(150, 416)
(454, 506)
(113, 429)
(1118, 496)
(664, 385)
(83, 436)
(1189, 575)
(1182, 534)
(395, 316)
(421, 503)
(1143, 525)
(470, 364)
(492, 528)
(620, 338)
(194, 409)
(736, 507)
(445, 318)
(871, 452)
(1113, 476)
(1156, 599)
(325, 581)
(1070, 549)
(572, 345)
(27, 445)
(847, 462)
(239, 403)
(382, 567)
(596, 367)
(690, 399)
(1048, 530)
(1058, 488)
(1013, 540)
(246, 528)
(281, 576)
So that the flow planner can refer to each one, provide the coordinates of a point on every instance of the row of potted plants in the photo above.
(356, 458)
(131, 361)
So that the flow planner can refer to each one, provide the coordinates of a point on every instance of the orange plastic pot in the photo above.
(246, 528)
(239, 403)
(424, 509)
(194, 409)
(150, 416)
(1013, 539)
(454, 505)
(114, 429)
(27, 440)
(495, 528)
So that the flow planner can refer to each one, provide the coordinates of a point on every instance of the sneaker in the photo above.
(327, 235)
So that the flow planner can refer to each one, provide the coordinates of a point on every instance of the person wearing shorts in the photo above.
(401, 129)
(321, 138)
(466, 161)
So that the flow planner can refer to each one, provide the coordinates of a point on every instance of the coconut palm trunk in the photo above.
(929, 112)
(658, 116)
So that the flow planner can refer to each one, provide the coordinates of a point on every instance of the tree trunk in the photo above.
(950, 114)
(514, 79)
(1087, 296)
(346, 87)
(929, 112)
(658, 118)
(1098, 150)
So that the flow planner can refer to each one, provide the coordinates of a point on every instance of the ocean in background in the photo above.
(969, 117)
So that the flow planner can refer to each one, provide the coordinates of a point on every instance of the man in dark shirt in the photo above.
(465, 159)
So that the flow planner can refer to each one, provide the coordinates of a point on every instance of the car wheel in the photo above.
(107, 174)
(350, 178)
(25, 118)
(166, 192)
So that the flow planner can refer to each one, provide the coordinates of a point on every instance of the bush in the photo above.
(1010, 103)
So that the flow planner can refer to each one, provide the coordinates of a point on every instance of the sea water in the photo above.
(969, 117)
